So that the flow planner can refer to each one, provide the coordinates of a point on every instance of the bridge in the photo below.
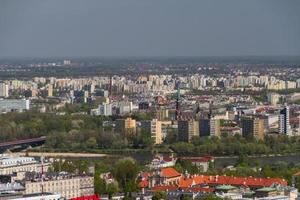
(22, 143)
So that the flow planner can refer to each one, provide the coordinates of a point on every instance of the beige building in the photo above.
(4, 90)
(215, 129)
(273, 98)
(67, 186)
(126, 127)
(162, 114)
(154, 128)
(50, 90)
(258, 127)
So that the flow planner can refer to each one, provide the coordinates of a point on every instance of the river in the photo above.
(219, 161)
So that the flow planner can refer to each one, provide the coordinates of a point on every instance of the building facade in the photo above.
(187, 129)
(154, 128)
(253, 127)
(67, 186)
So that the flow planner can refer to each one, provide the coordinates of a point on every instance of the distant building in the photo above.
(160, 161)
(209, 127)
(253, 127)
(202, 162)
(204, 127)
(11, 164)
(105, 109)
(11, 105)
(143, 105)
(162, 114)
(125, 107)
(67, 185)
(215, 129)
(67, 62)
(50, 90)
(126, 127)
(4, 90)
(30, 93)
(166, 176)
(273, 98)
(154, 128)
(284, 121)
(11, 190)
(187, 129)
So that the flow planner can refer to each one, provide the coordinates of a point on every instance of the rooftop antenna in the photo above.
(177, 112)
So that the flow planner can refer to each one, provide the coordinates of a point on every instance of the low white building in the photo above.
(160, 161)
(9, 105)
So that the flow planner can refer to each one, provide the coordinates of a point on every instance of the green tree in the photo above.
(211, 197)
(159, 195)
(112, 188)
(125, 172)
(91, 143)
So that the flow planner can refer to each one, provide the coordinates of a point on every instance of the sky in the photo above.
(117, 28)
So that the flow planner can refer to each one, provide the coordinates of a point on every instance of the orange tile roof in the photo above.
(170, 172)
(165, 188)
(215, 180)
(143, 184)
(229, 180)
(297, 174)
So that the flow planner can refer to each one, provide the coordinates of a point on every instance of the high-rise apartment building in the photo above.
(162, 114)
(253, 127)
(215, 129)
(4, 90)
(273, 98)
(105, 109)
(209, 127)
(284, 121)
(126, 127)
(154, 128)
(11, 105)
(187, 129)
(50, 90)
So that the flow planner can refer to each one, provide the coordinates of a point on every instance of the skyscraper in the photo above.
(284, 121)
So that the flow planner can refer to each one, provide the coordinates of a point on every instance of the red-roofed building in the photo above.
(92, 197)
(168, 179)
(165, 176)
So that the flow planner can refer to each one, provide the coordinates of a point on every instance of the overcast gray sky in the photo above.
(46, 28)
